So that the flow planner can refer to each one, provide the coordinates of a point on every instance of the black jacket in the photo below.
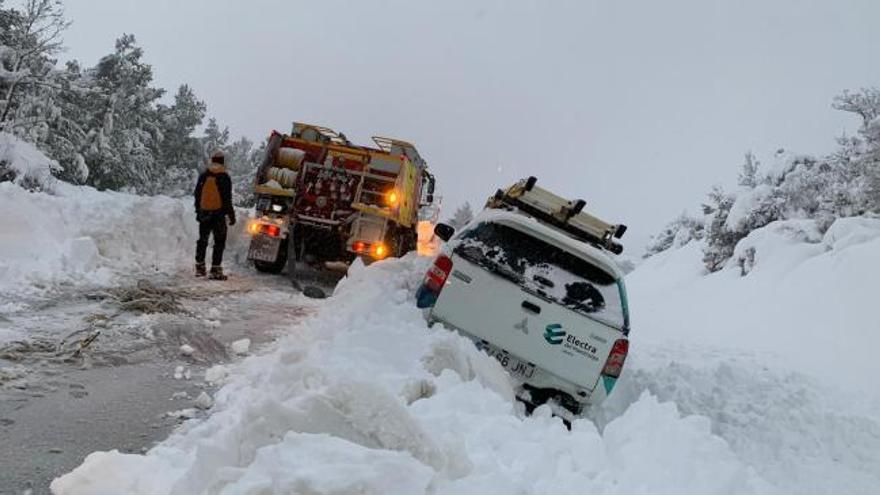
(224, 185)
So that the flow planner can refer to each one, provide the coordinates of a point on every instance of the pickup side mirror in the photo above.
(444, 231)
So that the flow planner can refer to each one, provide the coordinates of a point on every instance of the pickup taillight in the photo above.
(436, 277)
(614, 363)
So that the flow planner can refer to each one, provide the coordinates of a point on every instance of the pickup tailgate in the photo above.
(490, 306)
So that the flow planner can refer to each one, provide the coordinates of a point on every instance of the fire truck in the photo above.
(323, 201)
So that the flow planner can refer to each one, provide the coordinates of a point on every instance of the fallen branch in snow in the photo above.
(17, 351)
(85, 343)
(145, 297)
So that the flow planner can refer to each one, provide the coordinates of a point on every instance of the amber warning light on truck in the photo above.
(392, 198)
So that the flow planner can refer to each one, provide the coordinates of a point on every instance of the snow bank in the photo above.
(363, 398)
(779, 350)
(23, 164)
(80, 235)
(805, 298)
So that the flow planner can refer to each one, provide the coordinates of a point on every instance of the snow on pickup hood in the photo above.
(363, 398)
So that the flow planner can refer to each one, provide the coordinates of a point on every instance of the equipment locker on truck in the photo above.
(530, 281)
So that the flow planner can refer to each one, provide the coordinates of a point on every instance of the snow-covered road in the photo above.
(120, 392)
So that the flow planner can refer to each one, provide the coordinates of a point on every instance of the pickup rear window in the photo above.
(544, 270)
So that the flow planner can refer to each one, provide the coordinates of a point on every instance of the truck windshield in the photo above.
(545, 270)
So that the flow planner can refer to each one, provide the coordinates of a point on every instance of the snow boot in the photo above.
(200, 270)
(217, 273)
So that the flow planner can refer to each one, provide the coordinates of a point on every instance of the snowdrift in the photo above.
(778, 350)
(756, 379)
(363, 398)
(77, 235)
(802, 298)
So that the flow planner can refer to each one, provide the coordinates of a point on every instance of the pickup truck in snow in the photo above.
(323, 200)
(531, 282)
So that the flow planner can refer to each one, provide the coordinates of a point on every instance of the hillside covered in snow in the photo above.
(747, 380)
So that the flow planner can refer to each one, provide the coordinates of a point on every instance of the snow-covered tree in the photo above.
(719, 240)
(677, 233)
(462, 216)
(180, 151)
(841, 184)
(29, 37)
(125, 133)
(242, 160)
(862, 153)
(748, 177)
(214, 139)
(105, 124)
(58, 121)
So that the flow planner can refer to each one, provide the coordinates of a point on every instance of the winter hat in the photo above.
(218, 157)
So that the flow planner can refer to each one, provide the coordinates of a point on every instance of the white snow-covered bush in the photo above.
(23, 164)
(843, 184)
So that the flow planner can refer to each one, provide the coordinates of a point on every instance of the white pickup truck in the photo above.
(529, 280)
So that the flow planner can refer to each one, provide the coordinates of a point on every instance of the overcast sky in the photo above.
(636, 106)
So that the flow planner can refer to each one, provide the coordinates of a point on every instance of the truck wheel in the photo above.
(277, 265)
(405, 240)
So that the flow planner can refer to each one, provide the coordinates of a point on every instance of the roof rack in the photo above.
(326, 133)
(386, 144)
(559, 212)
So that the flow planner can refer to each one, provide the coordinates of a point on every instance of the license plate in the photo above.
(264, 248)
(511, 364)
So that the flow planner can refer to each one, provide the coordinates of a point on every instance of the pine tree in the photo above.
(242, 160)
(462, 216)
(29, 37)
(180, 152)
(844, 183)
(720, 242)
(125, 133)
(748, 177)
(214, 138)
(863, 153)
(62, 116)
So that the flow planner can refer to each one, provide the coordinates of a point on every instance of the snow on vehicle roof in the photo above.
(550, 233)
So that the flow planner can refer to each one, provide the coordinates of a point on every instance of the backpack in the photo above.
(210, 199)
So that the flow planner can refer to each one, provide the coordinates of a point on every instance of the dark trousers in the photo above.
(211, 223)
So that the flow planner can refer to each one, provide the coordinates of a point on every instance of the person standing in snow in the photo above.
(213, 202)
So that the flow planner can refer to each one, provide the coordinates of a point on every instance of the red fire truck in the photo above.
(322, 200)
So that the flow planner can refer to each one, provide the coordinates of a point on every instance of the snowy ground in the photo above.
(734, 384)
(130, 387)
(60, 255)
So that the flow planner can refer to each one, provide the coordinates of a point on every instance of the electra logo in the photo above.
(554, 334)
